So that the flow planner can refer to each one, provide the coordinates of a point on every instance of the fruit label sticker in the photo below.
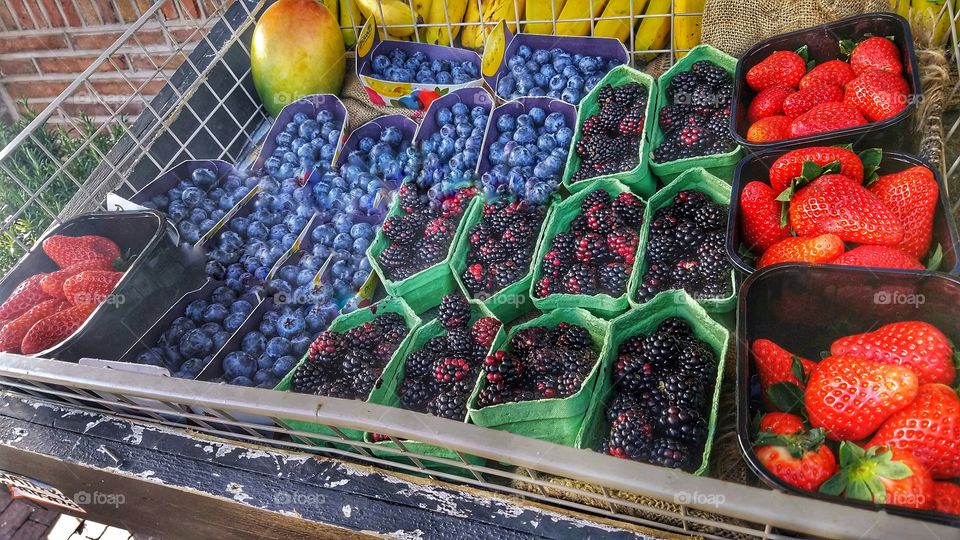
(494, 49)
(367, 38)
(22, 487)
(116, 203)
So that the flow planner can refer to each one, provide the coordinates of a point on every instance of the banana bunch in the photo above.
(395, 16)
(350, 20)
(483, 15)
(930, 19)
(653, 33)
(543, 14)
(443, 30)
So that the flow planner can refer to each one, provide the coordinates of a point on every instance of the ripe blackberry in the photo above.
(569, 384)
(578, 227)
(688, 236)
(528, 339)
(572, 336)
(364, 335)
(630, 209)
(453, 312)
(324, 348)
(704, 95)
(603, 221)
(660, 350)
(439, 230)
(416, 393)
(542, 363)
(595, 200)
(715, 290)
(450, 370)
(484, 331)
(592, 248)
(411, 200)
(710, 73)
(661, 248)
(619, 404)
(685, 390)
(400, 229)
(649, 288)
(546, 286)
(674, 326)
(672, 117)
(693, 138)
(613, 278)
(390, 324)
(505, 273)
(713, 266)
(686, 202)
(669, 150)
(711, 216)
(686, 275)
(718, 123)
(554, 265)
(502, 368)
(393, 258)
(631, 124)
(682, 424)
(672, 454)
(353, 361)
(580, 279)
(308, 377)
(565, 244)
(335, 388)
(460, 343)
(722, 144)
(545, 388)
(449, 404)
(493, 394)
(697, 359)
(680, 85)
(430, 253)
(631, 435)
(473, 278)
(420, 363)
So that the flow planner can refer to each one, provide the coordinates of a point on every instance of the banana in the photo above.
(441, 35)
(617, 18)
(686, 28)
(470, 35)
(350, 20)
(331, 6)
(393, 15)
(902, 7)
(492, 11)
(578, 9)
(653, 33)
(546, 12)
(930, 21)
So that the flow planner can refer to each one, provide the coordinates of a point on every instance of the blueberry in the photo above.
(283, 366)
(553, 122)
(233, 321)
(541, 80)
(277, 347)
(265, 379)
(151, 357)
(564, 135)
(239, 364)
(524, 83)
(195, 310)
(215, 270)
(220, 339)
(177, 211)
(525, 135)
(195, 343)
(241, 381)
(506, 86)
(391, 135)
(299, 345)
(191, 368)
(315, 321)
(223, 295)
(546, 142)
(258, 230)
(576, 82)
(264, 362)
(268, 327)
(239, 225)
(380, 63)
(289, 325)
(253, 343)
(589, 64)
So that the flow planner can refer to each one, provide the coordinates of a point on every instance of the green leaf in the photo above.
(796, 367)
(871, 158)
(831, 168)
(804, 53)
(936, 258)
(894, 470)
(835, 485)
(859, 489)
(784, 214)
(810, 170)
(786, 194)
(811, 63)
(824, 355)
(847, 46)
(847, 146)
(787, 397)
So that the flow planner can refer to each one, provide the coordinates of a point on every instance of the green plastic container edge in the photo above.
(718, 190)
(639, 179)
(567, 413)
(720, 164)
(645, 320)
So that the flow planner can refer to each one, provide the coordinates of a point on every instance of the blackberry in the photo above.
(592, 248)
(439, 230)
(565, 244)
(710, 73)
(493, 394)
(505, 273)
(571, 336)
(546, 286)
(718, 123)
(697, 359)
(613, 278)
(631, 435)
(578, 226)
(681, 85)
(449, 404)
(704, 95)
(364, 335)
(411, 200)
(450, 370)
(545, 388)
(394, 257)
(336, 388)
(390, 325)
(693, 138)
(661, 248)
(542, 363)
(669, 150)
(365, 383)
(437, 345)
(672, 117)
(580, 280)
(473, 278)
(324, 348)
(622, 245)
(630, 209)
(674, 326)
(421, 363)
(686, 202)
(715, 290)
(569, 384)
(722, 144)
(713, 266)
(711, 216)
(681, 424)
(685, 391)
(461, 343)
(307, 378)
(502, 368)
(430, 253)
(400, 229)
(631, 124)
(528, 339)
(621, 403)
(632, 346)
(649, 288)
(553, 264)
(672, 454)
(688, 236)
(353, 361)
(484, 331)
(685, 275)
(453, 312)
(660, 350)
(595, 200)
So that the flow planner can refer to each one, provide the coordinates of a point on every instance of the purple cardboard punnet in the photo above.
(311, 106)
(471, 97)
(241, 209)
(520, 106)
(409, 95)
(502, 44)
(171, 177)
(372, 129)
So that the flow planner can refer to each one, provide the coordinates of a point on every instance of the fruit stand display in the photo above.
(485, 255)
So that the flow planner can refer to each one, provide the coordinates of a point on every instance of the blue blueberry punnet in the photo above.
(239, 364)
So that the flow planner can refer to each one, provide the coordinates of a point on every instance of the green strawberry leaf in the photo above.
(784, 211)
(811, 64)
(810, 171)
(936, 258)
(894, 470)
(836, 484)
(847, 146)
(787, 397)
(831, 168)
(871, 158)
(847, 46)
(796, 367)
(804, 53)
(824, 355)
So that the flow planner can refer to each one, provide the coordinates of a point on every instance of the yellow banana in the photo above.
(617, 18)
(350, 19)
(470, 35)
(331, 6)
(442, 35)
(686, 28)
(542, 10)
(578, 9)
(902, 7)
(393, 15)
(492, 11)
(929, 20)
(653, 33)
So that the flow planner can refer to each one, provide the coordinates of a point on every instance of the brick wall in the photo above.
(46, 44)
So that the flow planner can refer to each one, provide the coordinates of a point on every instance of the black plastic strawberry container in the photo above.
(757, 167)
(823, 44)
(157, 276)
(804, 309)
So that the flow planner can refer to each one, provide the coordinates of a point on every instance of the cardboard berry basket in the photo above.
(183, 170)
(311, 106)
(644, 320)
(373, 128)
(387, 394)
(720, 165)
(558, 220)
(556, 420)
(638, 179)
(823, 44)
(804, 308)
(471, 97)
(342, 324)
(424, 289)
(757, 167)
(696, 179)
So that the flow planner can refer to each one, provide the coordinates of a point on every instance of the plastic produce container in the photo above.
(311, 106)
(638, 179)
(822, 44)
(757, 167)
(696, 179)
(158, 275)
(805, 308)
(720, 165)
(557, 420)
(645, 320)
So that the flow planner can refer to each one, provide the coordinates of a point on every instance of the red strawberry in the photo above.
(917, 345)
(24, 297)
(781, 68)
(768, 102)
(775, 364)
(929, 429)
(760, 217)
(878, 257)
(52, 284)
(769, 129)
(811, 96)
(12, 333)
(795, 455)
(877, 94)
(946, 498)
(55, 328)
(90, 286)
(835, 72)
(809, 249)
(851, 397)
(69, 250)
(881, 475)
(876, 53)
(912, 195)
(826, 117)
(790, 165)
(836, 204)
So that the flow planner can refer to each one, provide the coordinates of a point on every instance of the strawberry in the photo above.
(51, 330)
(24, 297)
(878, 257)
(916, 345)
(12, 333)
(836, 204)
(775, 364)
(881, 475)
(781, 68)
(52, 284)
(912, 195)
(793, 454)
(835, 72)
(851, 397)
(768, 102)
(769, 129)
(809, 249)
(790, 165)
(69, 250)
(929, 428)
(877, 94)
(802, 101)
(946, 498)
(826, 117)
(90, 286)
(876, 53)
(760, 217)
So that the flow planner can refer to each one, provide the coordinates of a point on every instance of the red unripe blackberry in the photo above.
(485, 330)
